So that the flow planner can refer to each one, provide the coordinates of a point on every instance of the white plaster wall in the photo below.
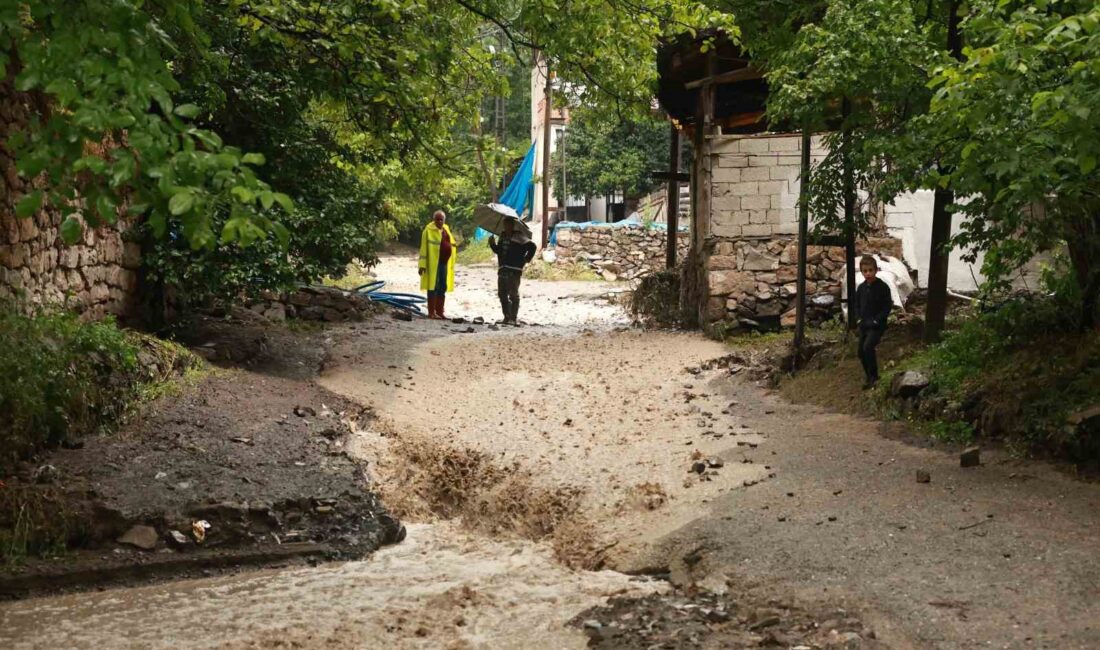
(909, 219)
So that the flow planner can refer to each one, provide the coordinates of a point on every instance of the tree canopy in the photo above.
(605, 157)
(307, 131)
(303, 131)
(1005, 118)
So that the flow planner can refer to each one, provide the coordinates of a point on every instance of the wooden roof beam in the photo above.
(746, 73)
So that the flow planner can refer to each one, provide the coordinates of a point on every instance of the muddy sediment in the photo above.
(256, 459)
(518, 457)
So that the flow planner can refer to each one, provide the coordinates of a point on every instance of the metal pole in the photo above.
(849, 216)
(672, 202)
(803, 227)
(546, 159)
(564, 187)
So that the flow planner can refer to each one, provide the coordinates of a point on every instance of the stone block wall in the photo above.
(317, 303)
(756, 280)
(95, 277)
(618, 252)
(749, 255)
(755, 185)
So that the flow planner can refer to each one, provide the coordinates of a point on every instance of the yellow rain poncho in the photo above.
(429, 256)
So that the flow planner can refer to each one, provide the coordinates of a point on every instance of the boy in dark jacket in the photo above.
(873, 303)
(512, 256)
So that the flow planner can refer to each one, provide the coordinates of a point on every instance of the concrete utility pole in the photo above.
(849, 217)
(803, 228)
(546, 159)
(564, 187)
(672, 202)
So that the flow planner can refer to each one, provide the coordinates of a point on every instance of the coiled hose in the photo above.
(409, 302)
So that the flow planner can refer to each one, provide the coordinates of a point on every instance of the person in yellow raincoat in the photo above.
(437, 263)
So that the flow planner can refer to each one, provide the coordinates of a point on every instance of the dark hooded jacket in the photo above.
(511, 254)
(873, 303)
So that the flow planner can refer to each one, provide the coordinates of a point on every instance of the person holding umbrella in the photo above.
(514, 251)
(437, 263)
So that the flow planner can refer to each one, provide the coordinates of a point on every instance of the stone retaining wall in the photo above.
(95, 277)
(757, 279)
(328, 304)
(624, 252)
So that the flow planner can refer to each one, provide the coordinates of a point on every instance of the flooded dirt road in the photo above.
(537, 466)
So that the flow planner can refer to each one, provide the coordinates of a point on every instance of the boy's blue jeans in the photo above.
(868, 340)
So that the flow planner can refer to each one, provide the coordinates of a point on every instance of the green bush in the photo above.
(59, 377)
(1022, 366)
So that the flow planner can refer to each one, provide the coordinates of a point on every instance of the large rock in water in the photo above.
(908, 384)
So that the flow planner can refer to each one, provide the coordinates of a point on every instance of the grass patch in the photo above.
(34, 522)
(475, 252)
(540, 269)
(61, 378)
(356, 275)
(58, 378)
(1014, 374)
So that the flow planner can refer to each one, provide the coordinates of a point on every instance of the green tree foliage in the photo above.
(111, 85)
(605, 156)
(1020, 120)
(262, 99)
(859, 72)
(304, 130)
(1010, 126)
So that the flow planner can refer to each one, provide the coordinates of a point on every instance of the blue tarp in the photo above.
(518, 193)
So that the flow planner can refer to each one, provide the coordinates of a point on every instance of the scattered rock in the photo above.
(777, 638)
(303, 411)
(971, 457)
(177, 539)
(923, 476)
(908, 384)
(401, 314)
(458, 320)
(46, 474)
(765, 621)
(140, 536)
(699, 466)
(715, 462)
(479, 320)
(844, 641)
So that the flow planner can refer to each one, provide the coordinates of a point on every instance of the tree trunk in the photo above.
(936, 310)
(1083, 254)
(938, 255)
